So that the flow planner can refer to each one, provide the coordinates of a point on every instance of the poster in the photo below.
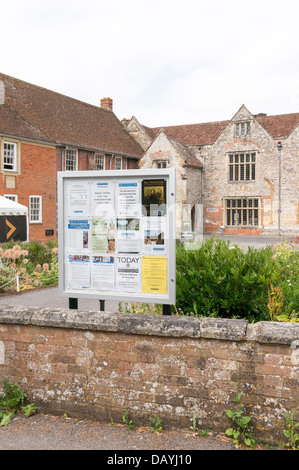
(102, 273)
(154, 235)
(128, 236)
(103, 235)
(128, 273)
(78, 234)
(102, 198)
(117, 235)
(154, 197)
(154, 275)
(77, 200)
(78, 271)
(128, 198)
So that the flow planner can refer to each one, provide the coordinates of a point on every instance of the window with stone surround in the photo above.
(243, 212)
(162, 164)
(10, 158)
(241, 166)
(71, 160)
(242, 129)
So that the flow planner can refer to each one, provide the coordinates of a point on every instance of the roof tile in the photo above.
(67, 121)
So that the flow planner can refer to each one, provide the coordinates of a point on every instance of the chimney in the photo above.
(107, 103)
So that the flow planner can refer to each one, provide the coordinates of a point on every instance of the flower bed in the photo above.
(28, 265)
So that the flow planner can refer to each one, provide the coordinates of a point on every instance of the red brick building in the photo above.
(43, 132)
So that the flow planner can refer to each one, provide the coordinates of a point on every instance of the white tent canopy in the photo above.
(9, 207)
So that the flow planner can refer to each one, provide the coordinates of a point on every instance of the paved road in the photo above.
(49, 297)
(47, 432)
(254, 241)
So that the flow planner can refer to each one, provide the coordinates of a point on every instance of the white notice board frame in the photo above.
(74, 217)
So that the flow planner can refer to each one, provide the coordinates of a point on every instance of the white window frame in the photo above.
(14, 164)
(11, 197)
(97, 157)
(39, 220)
(73, 153)
(119, 159)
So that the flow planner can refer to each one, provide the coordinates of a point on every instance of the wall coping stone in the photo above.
(154, 325)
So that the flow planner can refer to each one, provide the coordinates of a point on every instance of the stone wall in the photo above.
(265, 187)
(96, 365)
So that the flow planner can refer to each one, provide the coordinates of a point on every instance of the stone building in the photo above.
(241, 174)
(43, 132)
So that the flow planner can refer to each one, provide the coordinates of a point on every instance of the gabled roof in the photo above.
(191, 134)
(13, 125)
(63, 120)
(186, 154)
(189, 158)
(278, 127)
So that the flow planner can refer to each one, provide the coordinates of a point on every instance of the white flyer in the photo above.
(102, 273)
(128, 236)
(78, 234)
(78, 271)
(128, 199)
(77, 200)
(154, 236)
(128, 273)
(102, 198)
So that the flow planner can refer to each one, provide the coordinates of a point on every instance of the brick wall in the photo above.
(36, 176)
(96, 364)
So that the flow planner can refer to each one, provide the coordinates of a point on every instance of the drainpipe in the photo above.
(279, 147)
(202, 193)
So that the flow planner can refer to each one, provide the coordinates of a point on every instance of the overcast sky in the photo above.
(166, 62)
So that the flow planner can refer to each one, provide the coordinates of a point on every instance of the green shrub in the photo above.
(38, 253)
(7, 276)
(221, 280)
(287, 258)
(35, 264)
(11, 402)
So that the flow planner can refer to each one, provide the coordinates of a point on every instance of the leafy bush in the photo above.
(287, 258)
(7, 276)
(35, 264)
(221, 280)
(39, 253)
(13, 401)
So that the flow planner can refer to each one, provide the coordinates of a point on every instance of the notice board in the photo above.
(116, 235)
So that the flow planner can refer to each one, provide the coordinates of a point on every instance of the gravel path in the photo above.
(47, 432)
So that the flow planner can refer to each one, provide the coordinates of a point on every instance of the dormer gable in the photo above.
(138, 132)
(242, 122)
(162, 146)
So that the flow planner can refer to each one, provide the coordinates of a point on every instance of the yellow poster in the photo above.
(154, 275)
